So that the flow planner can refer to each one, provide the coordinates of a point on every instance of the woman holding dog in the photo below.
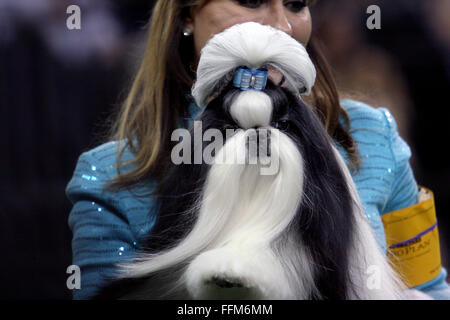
(113, 214)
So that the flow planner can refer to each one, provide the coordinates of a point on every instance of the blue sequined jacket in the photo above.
(110, 227)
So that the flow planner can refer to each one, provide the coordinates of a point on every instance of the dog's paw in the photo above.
(232, 274)
(224, 287)
(220, 274)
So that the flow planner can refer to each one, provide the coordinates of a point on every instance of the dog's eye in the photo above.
(282, 125)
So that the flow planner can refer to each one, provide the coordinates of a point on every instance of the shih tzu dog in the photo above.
(270, 210)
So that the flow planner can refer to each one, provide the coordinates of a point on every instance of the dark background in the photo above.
(58, 87)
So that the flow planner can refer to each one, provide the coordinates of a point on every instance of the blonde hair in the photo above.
(160, 94)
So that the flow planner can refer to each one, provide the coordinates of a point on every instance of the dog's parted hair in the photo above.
(227, 231)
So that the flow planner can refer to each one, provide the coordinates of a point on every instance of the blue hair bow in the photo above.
(245, 78)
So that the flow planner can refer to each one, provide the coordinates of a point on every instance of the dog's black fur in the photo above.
(324, 220)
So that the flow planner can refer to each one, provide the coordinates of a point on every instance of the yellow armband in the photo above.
(413, 240)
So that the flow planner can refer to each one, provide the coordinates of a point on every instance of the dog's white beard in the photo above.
(247, 213)
(243, 215)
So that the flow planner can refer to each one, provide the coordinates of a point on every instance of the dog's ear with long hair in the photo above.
(331, 221)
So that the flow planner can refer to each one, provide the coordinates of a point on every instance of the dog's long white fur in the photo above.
(263, 209)
(243, 214)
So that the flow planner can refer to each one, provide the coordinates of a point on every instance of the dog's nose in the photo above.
(258, 142)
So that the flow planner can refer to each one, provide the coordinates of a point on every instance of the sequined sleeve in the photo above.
(107, 227)
(403, 189)
(385, 181)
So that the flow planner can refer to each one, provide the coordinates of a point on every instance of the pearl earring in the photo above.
(187, 32)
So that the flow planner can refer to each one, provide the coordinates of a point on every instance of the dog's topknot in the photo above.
(253, 45)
